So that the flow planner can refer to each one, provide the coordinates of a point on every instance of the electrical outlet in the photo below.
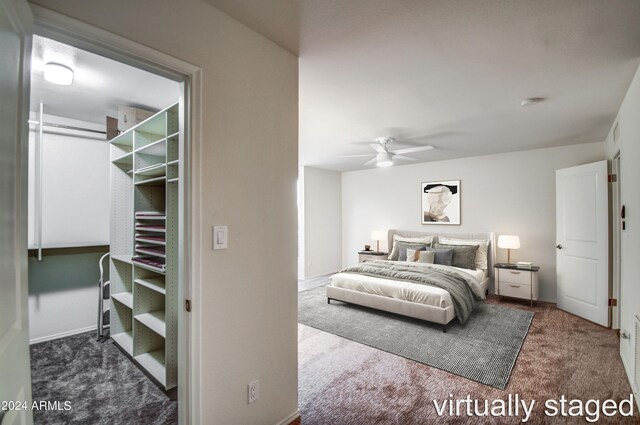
(253, 392)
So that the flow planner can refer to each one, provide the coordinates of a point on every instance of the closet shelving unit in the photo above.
(144, 243)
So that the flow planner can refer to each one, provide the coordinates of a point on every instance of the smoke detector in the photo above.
(530, 101)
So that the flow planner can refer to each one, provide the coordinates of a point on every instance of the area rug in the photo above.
(484, 349)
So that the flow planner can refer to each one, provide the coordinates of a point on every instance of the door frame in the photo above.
(616, 240)
(70, 31)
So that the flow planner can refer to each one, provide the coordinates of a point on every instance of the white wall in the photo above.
(75, 213)
(322, 222)
(629, 148)
(248, 182)
(75, 185)
(512, 193)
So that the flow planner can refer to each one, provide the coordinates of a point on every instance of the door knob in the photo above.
(559, 246)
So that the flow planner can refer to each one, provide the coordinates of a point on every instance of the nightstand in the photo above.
(372, 255)
(517, 283)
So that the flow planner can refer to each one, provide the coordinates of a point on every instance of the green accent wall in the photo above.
(63, 269)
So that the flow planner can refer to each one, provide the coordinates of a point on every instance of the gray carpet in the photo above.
(484, 349)
(103, 386)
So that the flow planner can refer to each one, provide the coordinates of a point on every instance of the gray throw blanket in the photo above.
(464, 298)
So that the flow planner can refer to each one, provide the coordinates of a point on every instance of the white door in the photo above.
(15, 51)
(582, 238)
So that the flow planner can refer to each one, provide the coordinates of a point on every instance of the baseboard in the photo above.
(321, 275)
(627, 370)
(62, 335)
(291, 418)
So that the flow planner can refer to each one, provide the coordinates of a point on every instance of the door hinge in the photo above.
(613, 302)
(187, 305)
(612, 178)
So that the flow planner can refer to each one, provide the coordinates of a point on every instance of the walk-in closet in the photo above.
(105, 165)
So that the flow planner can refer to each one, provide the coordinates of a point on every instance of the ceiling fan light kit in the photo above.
(383, 159)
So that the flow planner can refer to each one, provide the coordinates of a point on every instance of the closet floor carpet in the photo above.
(100, 383)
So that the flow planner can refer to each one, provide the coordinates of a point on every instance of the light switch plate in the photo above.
(220, 234)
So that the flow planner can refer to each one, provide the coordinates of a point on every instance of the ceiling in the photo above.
(99, 85)
(451, 74)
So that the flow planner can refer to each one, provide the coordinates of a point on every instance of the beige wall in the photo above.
(629, 147)
(249, 171)
(322, 222)
(511, 193)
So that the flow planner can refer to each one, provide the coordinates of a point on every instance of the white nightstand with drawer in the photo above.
(517, 283)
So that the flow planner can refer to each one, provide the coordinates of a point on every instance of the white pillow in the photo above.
(481, 253)
(393, 255)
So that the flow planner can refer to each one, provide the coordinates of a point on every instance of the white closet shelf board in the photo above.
(150, 241)
(174, 162)
(86, 244)
(153, 363)
(144, 251)
(122, 258)
(125, 341)
(156, 124)
(177, 179)
(151, 229)
(151, 218)
(125, 298)
(124, 139)
(157, 148)
(153, 283)
(147, 267)
(154, 321)
(124, 160)
(152, 170)
(155, 181)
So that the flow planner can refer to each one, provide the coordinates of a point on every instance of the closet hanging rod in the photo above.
(67, 127)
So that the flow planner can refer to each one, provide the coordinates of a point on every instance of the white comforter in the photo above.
(417, 293)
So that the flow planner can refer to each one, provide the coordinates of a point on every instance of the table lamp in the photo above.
(377, 235)
(509, 242)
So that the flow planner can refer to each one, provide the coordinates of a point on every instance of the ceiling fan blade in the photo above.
(357, 156)
(406, 158)
(371, 161)
(411, 150)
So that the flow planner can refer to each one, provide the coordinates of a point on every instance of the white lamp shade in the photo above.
(509, 242)
(377, 235)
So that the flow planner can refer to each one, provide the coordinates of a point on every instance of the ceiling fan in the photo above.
(384, 157)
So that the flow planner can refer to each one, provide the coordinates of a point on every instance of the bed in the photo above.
(389, 285)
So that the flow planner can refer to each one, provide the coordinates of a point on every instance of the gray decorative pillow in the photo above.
(464, 256)
(427, 257)
(403, 246)
(442, 256)
(425, 240)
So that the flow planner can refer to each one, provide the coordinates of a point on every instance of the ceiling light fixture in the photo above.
(383, 159)
(58, 74)
(530, 101)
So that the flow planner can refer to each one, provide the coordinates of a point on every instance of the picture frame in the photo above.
(440, 202)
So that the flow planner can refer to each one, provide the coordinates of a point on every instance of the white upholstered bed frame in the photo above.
(442, 315)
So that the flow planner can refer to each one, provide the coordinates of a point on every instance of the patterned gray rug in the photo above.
(483, 350)
(102, 385)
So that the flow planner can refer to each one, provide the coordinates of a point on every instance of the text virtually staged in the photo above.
(514, 406)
